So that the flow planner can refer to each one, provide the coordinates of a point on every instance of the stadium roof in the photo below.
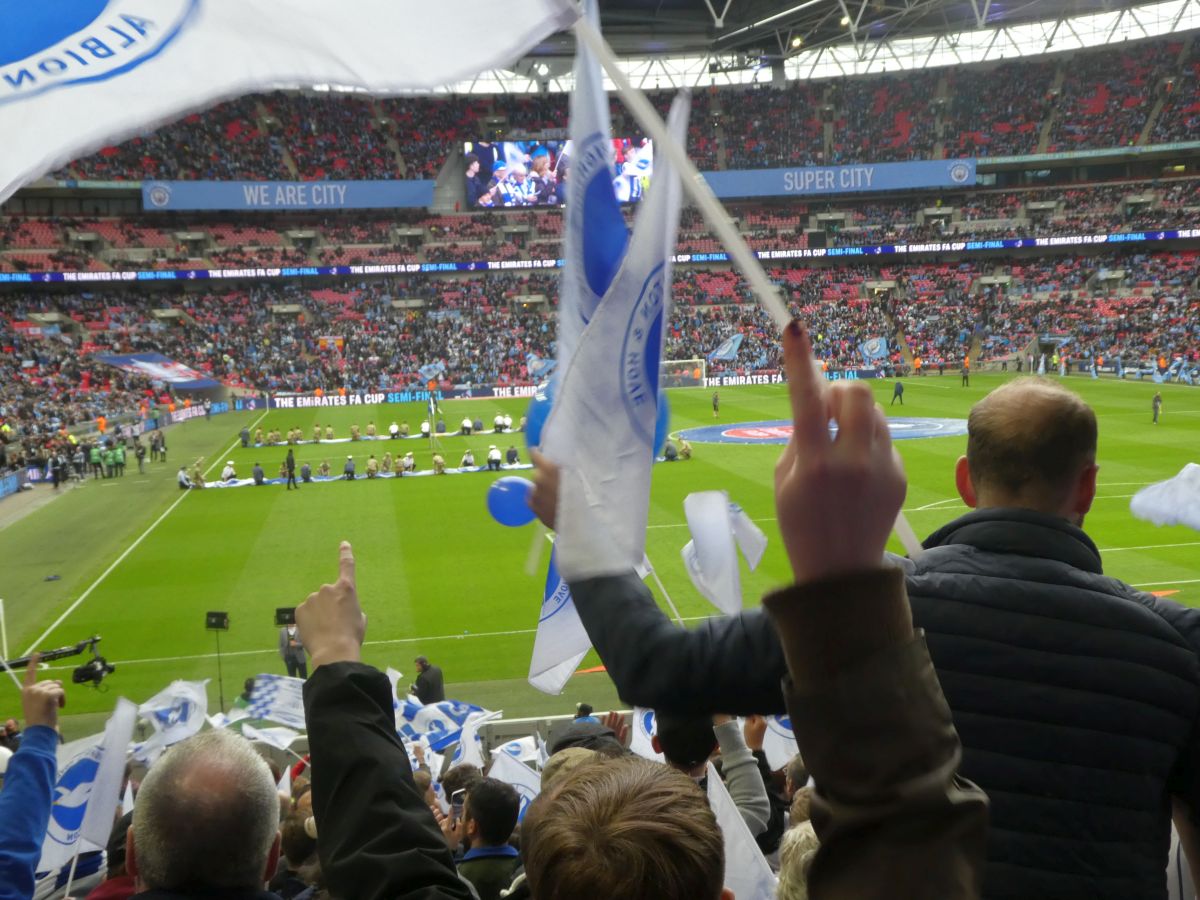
(676, 43)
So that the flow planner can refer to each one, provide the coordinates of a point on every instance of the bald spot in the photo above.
(1028, 443)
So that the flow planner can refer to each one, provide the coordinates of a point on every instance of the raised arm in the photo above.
(730, 664)
(378, 839)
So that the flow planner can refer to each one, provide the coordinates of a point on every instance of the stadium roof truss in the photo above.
(873, 37)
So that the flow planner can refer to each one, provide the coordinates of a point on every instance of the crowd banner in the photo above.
(818, 180)
(272, 196)
(271, 273)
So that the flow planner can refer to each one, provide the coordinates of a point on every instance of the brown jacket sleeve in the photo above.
(893, 817)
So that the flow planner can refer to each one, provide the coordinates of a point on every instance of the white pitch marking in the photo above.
(1160, 583)
(95, 584)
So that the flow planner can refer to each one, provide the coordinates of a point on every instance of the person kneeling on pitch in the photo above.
(468, 460)
(493, 458)
(348, 469)
(182, 479)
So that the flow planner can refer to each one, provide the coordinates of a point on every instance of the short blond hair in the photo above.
(627, 828)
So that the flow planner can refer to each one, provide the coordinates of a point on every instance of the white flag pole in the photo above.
(12, 675)
(706, 201)
(71, 874)
(3, 631)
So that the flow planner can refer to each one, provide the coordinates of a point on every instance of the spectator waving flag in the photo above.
(87, 790)
(77, 74)
(727, 350)
(278, 698)
(601, 428)
(710, 556)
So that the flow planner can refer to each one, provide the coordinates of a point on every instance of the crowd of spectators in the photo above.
(1105, 98)
(65, 244)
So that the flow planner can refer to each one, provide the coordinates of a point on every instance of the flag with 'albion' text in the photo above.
(78, 74)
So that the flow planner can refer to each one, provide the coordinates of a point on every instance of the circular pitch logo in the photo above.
(779, 431)
(44, 46)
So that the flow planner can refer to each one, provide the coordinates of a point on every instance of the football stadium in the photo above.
(899, 599)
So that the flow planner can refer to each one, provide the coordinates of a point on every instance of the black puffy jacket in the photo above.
(1075, 696)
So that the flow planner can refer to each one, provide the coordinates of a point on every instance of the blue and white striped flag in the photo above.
(278, 698)
(440, 723)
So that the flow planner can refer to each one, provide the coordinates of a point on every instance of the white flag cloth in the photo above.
(601, 427)
(779, 743)
(595, 237)
(224, 720)
(77, 74)
(642, 730)
(278, 737)
(82, 765)
(527, 782)
(176, 713)
(285, 782)
(561, 642)
(523, 750)
(106, 790)
(278, 698)
(709, 557)
(127, 801)
(1175, 501)
(470, 747)
(746, 871)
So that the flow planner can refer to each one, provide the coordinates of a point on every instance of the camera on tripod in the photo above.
(91, 672)
(95, 669)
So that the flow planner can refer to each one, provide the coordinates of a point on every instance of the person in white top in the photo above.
(508, 423)
(184, 481)
(425, 428)
(468, 460)
(466, 426)
(228, 473)
(498, 422)
(394, 431)
(408, 463)
(493, 458)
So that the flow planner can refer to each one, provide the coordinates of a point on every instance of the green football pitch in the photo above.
(139, 563)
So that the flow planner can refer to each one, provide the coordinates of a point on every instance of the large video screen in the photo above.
(514, 174)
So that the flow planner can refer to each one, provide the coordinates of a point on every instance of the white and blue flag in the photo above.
(175, 713)
(278, 698)
(710, 557)
(561, 642)
(525, 780)
(523, 750)
(779, 743)
(440, 723)
(615, 301)
(77, 74)
(727, 350)
(87, 790)
(641, 734)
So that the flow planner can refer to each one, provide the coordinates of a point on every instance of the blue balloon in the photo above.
(662, 424)
(508, 501)
(535, 417)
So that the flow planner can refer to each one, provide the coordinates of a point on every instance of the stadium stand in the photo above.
(1091, 99)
